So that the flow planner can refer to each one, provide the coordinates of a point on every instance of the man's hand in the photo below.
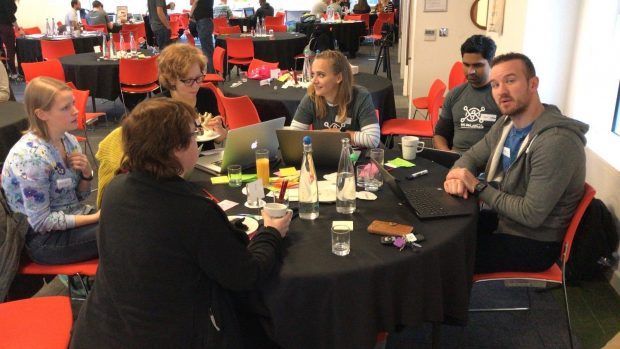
(460, 182)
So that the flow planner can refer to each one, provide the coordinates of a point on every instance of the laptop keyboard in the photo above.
(218, 163)
(424, 204)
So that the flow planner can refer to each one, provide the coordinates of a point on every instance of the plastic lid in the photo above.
(307, 140)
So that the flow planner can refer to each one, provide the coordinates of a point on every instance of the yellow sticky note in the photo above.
(288, 171)
(219, 180)
(284, 77)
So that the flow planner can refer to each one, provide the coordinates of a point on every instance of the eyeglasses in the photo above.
(190, 82)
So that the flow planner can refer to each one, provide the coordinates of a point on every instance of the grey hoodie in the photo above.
(538, 194)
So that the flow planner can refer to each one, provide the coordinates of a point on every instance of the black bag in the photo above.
(322, 39)
(595, 244)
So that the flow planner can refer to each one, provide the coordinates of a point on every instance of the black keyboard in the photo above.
(424, 204)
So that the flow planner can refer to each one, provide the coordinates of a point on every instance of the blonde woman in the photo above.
(334, 104)
(46, 176)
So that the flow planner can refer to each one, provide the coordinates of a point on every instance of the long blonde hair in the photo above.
(339, 65)
(40, 94)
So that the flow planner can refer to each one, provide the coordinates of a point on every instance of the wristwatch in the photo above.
(480, 187)
(89, 178)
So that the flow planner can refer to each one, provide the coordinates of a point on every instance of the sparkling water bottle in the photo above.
(132, 44)
(308, 185)
(105, 53)
(112, 49)
(48, 28)
(345, 180)
(54, 27)
(121, 43)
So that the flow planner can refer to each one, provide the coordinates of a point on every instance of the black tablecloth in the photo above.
(347, 33)
(242, 21)
(272, 104)
(281, 48)
(87, 73)
(29, 50)
(13, 121)
(319, 300)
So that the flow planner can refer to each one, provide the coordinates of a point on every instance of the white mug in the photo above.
(411, 146)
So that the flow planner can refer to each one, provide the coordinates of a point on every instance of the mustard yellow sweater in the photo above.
(109, 155)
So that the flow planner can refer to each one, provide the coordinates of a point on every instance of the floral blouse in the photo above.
(38, 183)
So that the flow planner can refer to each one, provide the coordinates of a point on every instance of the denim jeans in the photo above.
(205, 34)
(162, 38)
(64, 246)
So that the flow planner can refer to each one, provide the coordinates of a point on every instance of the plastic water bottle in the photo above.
(345, 180)
(121, 43)
(54, 27)
(132, 44)
(104, 46)
(308, 185)
(112, 49)
(48, 29)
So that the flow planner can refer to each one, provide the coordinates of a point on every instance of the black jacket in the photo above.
(7, 12)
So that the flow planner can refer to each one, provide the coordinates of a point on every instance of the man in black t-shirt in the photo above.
(202, 12)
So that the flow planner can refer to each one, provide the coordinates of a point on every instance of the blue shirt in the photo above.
(512, 145)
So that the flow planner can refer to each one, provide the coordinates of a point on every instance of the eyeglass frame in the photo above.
(191, 82)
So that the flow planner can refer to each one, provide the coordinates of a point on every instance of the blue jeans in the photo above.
(205, 34)
(162, 38)
(63, 246)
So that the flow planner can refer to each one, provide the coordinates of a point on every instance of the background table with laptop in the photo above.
(29, 46)
(272, 103)
(320, 300)
(346, 33)
(13, 122)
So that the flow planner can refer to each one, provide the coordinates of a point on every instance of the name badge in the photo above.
(64, 183)
(348, 121)
(506, 152)
(488, 117)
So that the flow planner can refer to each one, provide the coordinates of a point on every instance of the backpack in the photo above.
(594, 246)
(322, 39)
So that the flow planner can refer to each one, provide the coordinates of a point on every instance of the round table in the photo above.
(281, 48)
(29, 47)
(319, 300)
(13, 120)
(89, 73)
(346, 33)
(272, 104)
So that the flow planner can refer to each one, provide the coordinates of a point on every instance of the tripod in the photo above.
(384, 55)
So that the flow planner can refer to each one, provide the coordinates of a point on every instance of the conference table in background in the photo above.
(281, 48)
(241, 22)
(319, 300)
(29, 47)
(272, 104)
(346, 33)
(13, 121)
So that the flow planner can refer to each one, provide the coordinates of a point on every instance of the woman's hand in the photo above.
(79, 162)
(281, 224)
(216, 124)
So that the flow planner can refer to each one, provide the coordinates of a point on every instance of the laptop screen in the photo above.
(248, 11)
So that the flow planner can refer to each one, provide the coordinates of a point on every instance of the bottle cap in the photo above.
(307, 140)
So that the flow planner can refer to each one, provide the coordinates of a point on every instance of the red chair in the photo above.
(273, 20)
(218, 96)
(51, 68)
(239, 52)
(457, 76)
(353, 18)
(415, 127)
(218, 64)
(223, 30)
(366, 19)
(557, 272)
(83, 21)
(277, 28)
(375, 35)
(53, 49)
(422, 103)
(85, 119)
(190, 38)
(138, 76)
(40, 322)
(138, 29)
(126, 38)
(96, 28)
(386, 17)
(240, 111)
(257, 63)
(80, 269)
(217, 23)
(175, 25)
(32, 30)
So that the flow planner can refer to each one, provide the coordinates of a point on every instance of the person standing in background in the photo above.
(99, 16)
(8, 23)
(361, 7)
(222, 10)
(71, 19)
(159, 22)
(202, 11)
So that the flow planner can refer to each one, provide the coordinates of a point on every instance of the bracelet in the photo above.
(88, 179)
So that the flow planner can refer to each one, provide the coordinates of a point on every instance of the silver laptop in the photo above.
(240, 145)
(326, 147)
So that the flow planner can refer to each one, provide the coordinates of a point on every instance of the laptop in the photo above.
(240, 145)
(441, 157)
(326, 147)
(426, 202)
(248, 12)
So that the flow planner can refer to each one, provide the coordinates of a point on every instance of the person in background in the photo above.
(384, 6)
(71, 19)
(46, 177)
(333, 103)
(8, 27)
(98, 16)
(180, 69)
(264, 9)
(222, 10)
(5, 87)
(335, 6)
(158, 20)
(469, 110)
(202, 12)
(361, 7)
(319, 8)
(535, 167)
(181, 232)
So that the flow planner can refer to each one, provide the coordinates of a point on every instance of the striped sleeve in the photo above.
(296, 125)
(369, 136)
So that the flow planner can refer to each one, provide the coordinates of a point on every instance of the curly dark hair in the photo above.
(481, 44)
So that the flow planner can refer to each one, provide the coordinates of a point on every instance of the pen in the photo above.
(417, 174)
(211, 196)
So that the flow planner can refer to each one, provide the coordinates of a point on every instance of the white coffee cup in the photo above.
(275, 210)
(411, 146)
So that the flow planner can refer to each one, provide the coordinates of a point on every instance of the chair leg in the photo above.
(570, 329)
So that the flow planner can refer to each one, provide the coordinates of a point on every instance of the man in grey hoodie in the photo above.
(534, 163)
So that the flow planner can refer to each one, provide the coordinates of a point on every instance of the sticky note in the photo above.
(227, 204)
(288, 171)
(398, 162)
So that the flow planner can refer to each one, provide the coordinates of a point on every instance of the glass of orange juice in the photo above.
(262, 165)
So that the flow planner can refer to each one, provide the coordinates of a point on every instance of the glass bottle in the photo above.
(112, 48)
(105, 53)
(132, 44)
(54, 27)
(345, 180)
(308, 184)
(48, 29)
(121, 44)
